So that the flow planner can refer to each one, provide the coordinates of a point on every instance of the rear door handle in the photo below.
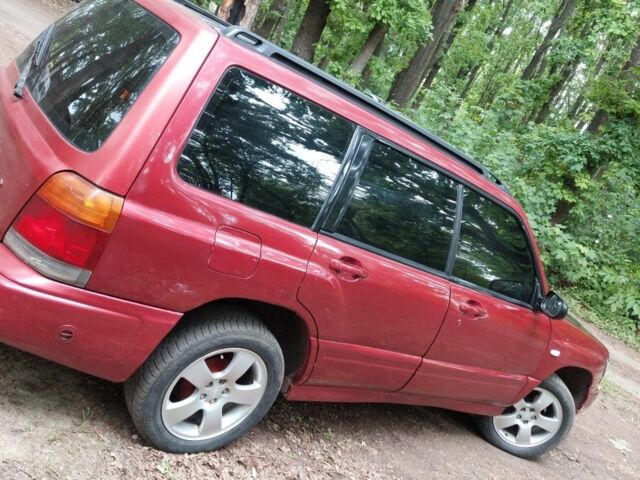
(346, 267)
(473, 309)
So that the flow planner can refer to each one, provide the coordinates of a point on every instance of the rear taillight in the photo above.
(64, 228)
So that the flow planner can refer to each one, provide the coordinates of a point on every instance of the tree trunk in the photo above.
(576, 107)
(277, 14)
(449, 38)
(599, 121)
(431, 76)
(564, 12)
(473, 73)
(231, 11)
(471, 80)
(567, 72)
(374, 40)
(239, 12)
(601, 118)
(250, 13)
(311, 28)
(366, 75)
(408, 81)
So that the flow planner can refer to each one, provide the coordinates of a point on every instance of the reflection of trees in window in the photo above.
(492, 247)
(403, 207)
(266, 147)
(102, 56)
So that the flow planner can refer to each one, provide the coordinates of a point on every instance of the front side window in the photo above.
(264, 146)
(102, 56)
(493, 252)
(403, 207)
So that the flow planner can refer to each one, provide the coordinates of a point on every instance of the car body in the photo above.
(356, 322)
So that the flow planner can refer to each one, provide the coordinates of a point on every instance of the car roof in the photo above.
(264, 47)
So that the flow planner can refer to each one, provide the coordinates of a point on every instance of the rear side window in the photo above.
(264, 146)
(493, 252)
(403, 207)
(102, 56)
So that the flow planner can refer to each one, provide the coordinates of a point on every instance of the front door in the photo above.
(492, 338)
(375, 283)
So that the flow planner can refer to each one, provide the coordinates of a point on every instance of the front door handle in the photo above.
(473, 309)
(348, 268)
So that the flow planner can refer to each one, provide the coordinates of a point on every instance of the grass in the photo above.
(611, 389)
(609, 323)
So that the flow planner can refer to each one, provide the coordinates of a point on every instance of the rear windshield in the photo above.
(102, 56)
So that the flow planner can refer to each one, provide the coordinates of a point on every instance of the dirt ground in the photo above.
(59, 424)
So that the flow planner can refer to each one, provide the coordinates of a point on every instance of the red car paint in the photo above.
(399, 335)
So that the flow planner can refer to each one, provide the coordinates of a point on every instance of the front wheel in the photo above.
(535, 424)
(207, 384)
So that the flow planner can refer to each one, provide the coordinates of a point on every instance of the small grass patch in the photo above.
(615, 327)
(611, 389)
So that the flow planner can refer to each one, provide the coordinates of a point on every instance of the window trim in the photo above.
(349, 163)
(347, 188)
(348, 157)
(364, 153)
(457, 226)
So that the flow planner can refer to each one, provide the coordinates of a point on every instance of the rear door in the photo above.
(492, 338)
(375, 282)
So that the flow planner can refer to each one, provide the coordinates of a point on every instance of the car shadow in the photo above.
(34, 386)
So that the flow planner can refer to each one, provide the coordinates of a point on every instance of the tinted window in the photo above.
(266, 147)
(102, 56)
(403, 207)
(493, 252)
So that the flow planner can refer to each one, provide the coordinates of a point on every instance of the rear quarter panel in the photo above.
(32, 149)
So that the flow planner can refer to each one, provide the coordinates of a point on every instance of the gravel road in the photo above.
(59, 424)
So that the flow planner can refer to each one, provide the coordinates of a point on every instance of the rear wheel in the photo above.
(535, 424)
(208, 384)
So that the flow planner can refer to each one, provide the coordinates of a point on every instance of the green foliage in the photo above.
(579, 186)
(595, 252)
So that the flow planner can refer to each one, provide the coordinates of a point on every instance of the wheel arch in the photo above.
(291, 330)
(578, 381)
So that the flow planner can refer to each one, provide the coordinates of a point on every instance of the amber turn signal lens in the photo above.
(82, 201)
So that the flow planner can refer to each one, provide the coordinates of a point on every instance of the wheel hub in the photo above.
(219, 400)
(532, 421)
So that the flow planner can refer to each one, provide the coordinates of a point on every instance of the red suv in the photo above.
(195, 212)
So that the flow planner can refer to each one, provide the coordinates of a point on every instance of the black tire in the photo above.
(210, 331)
(559, 390)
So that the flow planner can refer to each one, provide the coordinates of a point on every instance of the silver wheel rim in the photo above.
(532, 421)
(214, 394)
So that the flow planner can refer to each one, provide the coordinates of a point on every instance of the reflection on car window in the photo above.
(102, 56)
(264, 146)
(403, 207)
(493, 252)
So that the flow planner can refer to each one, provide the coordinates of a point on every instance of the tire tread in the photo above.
(203, 326)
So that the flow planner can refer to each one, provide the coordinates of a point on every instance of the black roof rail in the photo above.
(266, 48)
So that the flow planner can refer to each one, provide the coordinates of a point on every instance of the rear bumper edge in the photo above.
(113, 337)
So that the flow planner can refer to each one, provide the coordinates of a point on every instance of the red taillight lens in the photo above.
(60, 237)
(63, 230)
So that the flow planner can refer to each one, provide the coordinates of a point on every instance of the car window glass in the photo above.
(493, 251)
(403, 207)
(264, 146)
(102, 56)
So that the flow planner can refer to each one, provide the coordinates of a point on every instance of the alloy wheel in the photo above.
(214, 394)
(532, 421)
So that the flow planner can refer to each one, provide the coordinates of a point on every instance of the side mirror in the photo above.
(554, 306)
(510, 288)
